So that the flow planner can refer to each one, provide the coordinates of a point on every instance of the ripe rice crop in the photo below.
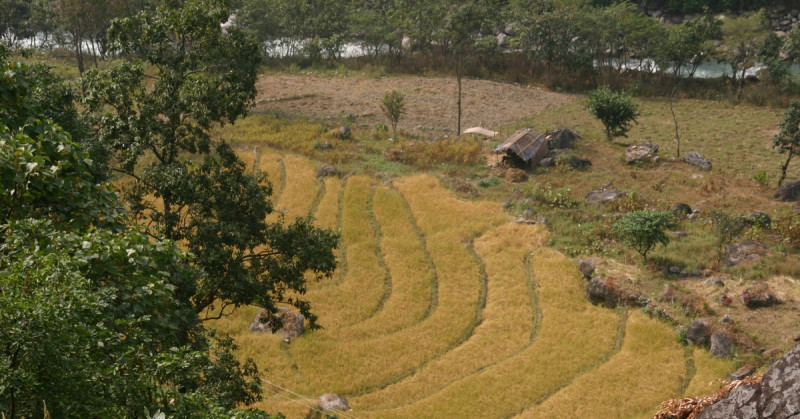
(300, 190)
(506, 325)
(583, 334)
(709, 371)
(407, 262)
(647, 370)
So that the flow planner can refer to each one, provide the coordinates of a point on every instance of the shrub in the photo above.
(554, 198)
(616, 110)
(393, 107)
(787, 226)
(726, 228)
(644, 229)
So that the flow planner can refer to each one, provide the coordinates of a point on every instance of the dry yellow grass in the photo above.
(574, 335)
(709, 371)
(348, 367)
(272, 164)
(647, 370)
(249, 157)
(357, 296)
(505, 328)
(327, 213)
(300, 190)
(406, 261)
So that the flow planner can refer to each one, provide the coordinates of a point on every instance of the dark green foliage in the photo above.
(185, 186)
(95, 317)
(393, 107)
(644, 229)
(726, 229)
(787, 140)
(616, 110)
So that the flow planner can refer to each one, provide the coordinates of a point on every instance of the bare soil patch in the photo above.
(431, 107)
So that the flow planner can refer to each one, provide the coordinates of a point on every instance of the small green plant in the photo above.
(554, 198)
(488, 182)
(616, 110)
(393, 106)
(644, 229)
(381, 127)
(761, 177)
(682, 337)
(725, 228)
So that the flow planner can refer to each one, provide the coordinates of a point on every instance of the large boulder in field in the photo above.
(642, 153)
(588, 266)
(561, 139)
(697, 333)
(327, 170)
(788, 192)
(721, 344)
(292, 323)
(602, 196)
(747, 252)
(601, 291)
(694, 158)
(776, 396)
(760, 295)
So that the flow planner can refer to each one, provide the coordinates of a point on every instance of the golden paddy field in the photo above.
(443, 307)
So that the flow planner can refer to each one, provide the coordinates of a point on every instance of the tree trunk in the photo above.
(675, 121)
(459, 75)
(785, 166)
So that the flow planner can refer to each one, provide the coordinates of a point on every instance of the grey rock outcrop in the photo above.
(697, 333)
(327, 170)
(744, 253)
(760, 295)
(600, 292)
(641, 153)
(588, 266)
(778, 395)
(694, 158)
(600, 197)
(788, 192)
(292, 323)
(721, 344)
(561, 139)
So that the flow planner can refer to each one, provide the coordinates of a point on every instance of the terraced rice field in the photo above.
(444, 308)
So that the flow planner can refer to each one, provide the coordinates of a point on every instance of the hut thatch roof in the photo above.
(525, 143)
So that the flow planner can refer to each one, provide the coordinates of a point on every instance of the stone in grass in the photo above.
(292, 323)
(760, 295)
(330, 401)
(741, 373)
(697, 333)
(721, 344)
(327, 170)
(601, 291)
(747, 252)
(588, 266)
(788, 192)
(641, 153)
(600, 197)
(694, 158)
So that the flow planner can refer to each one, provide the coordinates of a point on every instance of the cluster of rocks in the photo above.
(776, 396)
(720, 341)
(285, 323)
(782, 20)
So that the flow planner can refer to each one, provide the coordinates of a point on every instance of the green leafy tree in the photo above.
(393, 107)
(742, 38)
(644, 229)
(91, 322)
(616, 110)
(182, 184)
(787, 140)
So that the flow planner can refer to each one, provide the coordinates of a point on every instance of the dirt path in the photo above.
(430, 102)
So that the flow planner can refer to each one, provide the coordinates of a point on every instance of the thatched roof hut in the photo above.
(524, 148)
